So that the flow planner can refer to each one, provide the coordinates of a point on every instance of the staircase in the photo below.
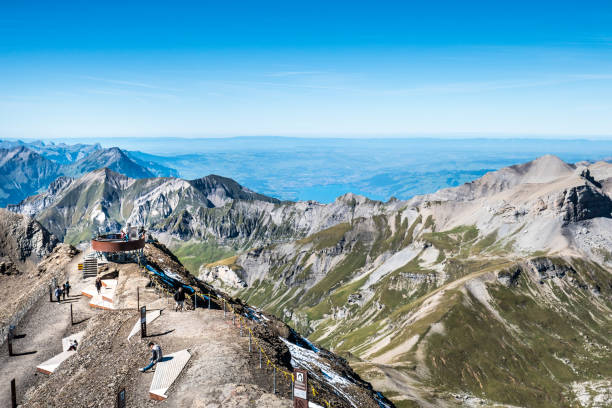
(90, 267)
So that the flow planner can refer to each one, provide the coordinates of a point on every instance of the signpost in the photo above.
(143, 322)
(300, 389)
(13, 394)
(80, 267)
(121, 398)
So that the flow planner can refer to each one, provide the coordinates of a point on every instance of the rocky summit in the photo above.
(497, 292)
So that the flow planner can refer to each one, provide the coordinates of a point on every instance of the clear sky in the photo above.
(305, 68)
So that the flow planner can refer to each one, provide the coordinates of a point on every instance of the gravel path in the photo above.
(44, 327)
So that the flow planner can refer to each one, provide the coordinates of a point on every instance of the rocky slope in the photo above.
(450, 297)
(23, 242)
(221, 371)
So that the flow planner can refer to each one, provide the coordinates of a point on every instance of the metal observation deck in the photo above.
(117, 243)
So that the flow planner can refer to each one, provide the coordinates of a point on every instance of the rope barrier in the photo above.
(174, 283)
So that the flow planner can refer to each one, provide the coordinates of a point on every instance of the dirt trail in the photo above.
(44, 327)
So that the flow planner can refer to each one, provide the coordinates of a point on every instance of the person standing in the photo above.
(98, 285)
(67, 288)
(179, 299)
(58, 293)
(156, 356)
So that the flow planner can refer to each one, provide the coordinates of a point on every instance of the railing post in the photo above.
(274, 379)
(71, 316)
(209, 300)
(259, 357)
(50, 294)
(137, 298)
(224, 311)
(250, 343)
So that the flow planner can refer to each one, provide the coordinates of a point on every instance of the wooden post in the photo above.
(13, 394)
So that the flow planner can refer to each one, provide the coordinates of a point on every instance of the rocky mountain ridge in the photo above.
(447, 298)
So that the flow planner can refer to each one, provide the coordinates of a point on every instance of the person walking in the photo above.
(179, 299)
(156, 356)
(67, 288)
(58, 293)
(98, 285)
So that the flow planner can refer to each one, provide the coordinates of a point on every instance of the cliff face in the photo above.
(23, 239)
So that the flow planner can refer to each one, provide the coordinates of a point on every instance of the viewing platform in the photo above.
(118, 243)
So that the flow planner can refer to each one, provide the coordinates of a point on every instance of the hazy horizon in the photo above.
(312, 69)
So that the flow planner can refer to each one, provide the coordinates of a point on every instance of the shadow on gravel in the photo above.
(25, 353)
(81, 321)
(160, 334)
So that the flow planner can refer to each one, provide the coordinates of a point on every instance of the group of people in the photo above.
(61, 291)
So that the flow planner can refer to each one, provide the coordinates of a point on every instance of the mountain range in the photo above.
(25, 169)
(494, 292)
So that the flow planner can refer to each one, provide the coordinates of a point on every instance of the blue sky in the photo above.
(307, 68)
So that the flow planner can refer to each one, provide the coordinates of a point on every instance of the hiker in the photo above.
(63, 292)
(58, 293)
(156, 356)
(179, 298)
(67, 288)
(73, 345)
(98, 285)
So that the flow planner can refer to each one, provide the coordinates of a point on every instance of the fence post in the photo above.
(250, 343)
(13, 394)
(195, 301)
(9, 341)
(71, 316)
(234, 319)
(259, 357)
(209, 300)
(137, 298)
(50, 294)
(240, 322)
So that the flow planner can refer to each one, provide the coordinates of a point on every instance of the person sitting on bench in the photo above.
(73, 345)
(156, 356)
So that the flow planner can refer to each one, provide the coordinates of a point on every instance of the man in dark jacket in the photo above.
(67, 288)
(58, 293)
(179, 299)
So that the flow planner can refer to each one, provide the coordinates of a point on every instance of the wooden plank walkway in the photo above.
(49, 366)
(166, 372)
